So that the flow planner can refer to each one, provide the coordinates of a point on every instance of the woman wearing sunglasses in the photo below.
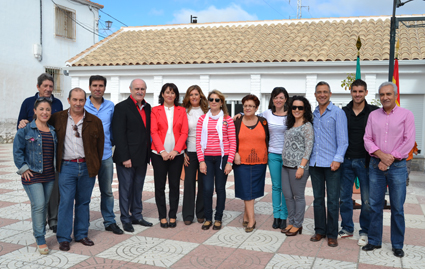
(34, 150)
(215, 147)
(252, 137)
(169, 129)
(299, 139)
(196, 105)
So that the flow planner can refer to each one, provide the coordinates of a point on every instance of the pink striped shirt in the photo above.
(213, 144)
(392, 133)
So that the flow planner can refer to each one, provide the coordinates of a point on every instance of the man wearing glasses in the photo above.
(131, 131)
(330, 144)
(45, 89)
(104, 110)
(78, 160)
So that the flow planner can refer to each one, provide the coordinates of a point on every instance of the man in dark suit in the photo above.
(131, 132)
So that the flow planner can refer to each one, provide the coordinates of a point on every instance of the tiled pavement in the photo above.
(189, 246)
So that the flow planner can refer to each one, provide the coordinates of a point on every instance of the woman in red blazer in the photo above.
(169, 130)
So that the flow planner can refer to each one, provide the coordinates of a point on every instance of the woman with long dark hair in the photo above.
(299, 139)
(196, 105)
(34, 150)
(169, 129)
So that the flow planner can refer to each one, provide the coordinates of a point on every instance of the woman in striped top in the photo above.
(34, 150)
(215, 147)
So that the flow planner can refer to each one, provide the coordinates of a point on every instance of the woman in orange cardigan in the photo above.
(169, 130)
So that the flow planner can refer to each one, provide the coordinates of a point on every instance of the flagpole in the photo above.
(392, 43)
(358, 45)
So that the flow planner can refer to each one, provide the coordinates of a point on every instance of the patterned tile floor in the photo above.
(189, 246)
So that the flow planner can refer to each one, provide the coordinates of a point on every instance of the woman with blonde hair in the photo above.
(215, 147)
(196, 105)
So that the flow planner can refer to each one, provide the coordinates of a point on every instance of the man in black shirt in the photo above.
(356, 163)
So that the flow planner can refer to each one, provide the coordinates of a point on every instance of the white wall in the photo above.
(19, 69)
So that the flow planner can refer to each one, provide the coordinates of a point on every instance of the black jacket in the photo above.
(132, 139)
(367, 109)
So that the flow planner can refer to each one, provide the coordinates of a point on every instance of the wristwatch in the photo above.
(231, 164)
(301, 166)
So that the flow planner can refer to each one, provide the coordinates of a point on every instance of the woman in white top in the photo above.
(169, 132)
(196, 105)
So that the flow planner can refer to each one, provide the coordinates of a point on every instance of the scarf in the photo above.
(218, 127)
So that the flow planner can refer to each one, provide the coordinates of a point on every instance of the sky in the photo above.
(161, 12)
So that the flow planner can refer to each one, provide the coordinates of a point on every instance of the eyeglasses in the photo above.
(75, 128)
(300, 108)
(43, 99)
(214, 99)
(249, 106)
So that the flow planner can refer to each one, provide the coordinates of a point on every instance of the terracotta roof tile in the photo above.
(331, 39)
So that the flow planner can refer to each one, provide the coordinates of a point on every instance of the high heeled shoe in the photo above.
(250, 229)
(244, 224)
(292, 233)
(289, 227)
(276, 223)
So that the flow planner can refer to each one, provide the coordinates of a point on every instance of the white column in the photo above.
(264, 103)
(371, 87)
(205, 84)
(75, 82)
(114, 88)
(156, 89)
(310, 88)
(232, 104)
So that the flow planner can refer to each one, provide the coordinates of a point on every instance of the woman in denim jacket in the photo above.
(34, 153)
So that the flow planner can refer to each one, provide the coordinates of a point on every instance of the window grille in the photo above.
(56, 74)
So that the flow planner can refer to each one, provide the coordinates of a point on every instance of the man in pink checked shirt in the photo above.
(389, 137)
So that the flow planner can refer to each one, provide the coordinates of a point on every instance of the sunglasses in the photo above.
(300, 108)
(214, 99)
(75, 128)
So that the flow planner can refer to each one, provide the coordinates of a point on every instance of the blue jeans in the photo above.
(215, 174)
(280, 211)
(39, 195)
(350, 169)
(75, 184)
(105, 177)
(395, 178)
(319, 177)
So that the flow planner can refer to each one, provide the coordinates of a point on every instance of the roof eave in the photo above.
(89, 3)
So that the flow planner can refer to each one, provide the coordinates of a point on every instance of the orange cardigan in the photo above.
(159, 127)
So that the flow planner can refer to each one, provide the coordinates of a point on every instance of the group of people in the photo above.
(60, 152)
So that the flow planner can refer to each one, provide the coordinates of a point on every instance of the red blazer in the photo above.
(159, 127)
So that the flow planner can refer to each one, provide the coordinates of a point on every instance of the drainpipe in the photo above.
(94, 25)
(41, 29)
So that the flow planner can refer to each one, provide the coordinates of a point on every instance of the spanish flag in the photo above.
(396, 80)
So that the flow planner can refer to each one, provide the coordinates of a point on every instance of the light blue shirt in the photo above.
(330, 136)
(105, 113)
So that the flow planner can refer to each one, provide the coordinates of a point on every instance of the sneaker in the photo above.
(362, 240)
(344, 234)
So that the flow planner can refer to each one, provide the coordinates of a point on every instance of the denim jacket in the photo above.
(28, 150)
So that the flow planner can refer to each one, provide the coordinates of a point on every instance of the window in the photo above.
(65, 23)
(56, 74)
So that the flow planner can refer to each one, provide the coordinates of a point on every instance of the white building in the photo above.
(36, 37)
(238, 58)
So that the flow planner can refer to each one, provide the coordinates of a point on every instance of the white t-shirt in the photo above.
(192, 118)
(277, 128)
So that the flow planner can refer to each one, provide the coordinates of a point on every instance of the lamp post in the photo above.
(392, 41)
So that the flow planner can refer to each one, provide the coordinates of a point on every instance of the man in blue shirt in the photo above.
(330, 144)
(104, 110)
(45, 89)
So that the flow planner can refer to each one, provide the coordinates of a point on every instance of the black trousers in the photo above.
(161, 169)
(189, 197)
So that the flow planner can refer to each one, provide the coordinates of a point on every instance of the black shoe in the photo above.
(370, 247)
(282, 224)
(172, 224)
(54, 228)
(164, 225)
(114, 228)
(142, 222)
(398, 252)
(128, 227)
(276, 223)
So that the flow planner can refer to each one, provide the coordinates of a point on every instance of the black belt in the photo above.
(289, 167)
